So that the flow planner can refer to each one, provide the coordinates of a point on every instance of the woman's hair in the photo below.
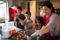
(49, 5)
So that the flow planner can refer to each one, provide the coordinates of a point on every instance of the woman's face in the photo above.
(45, 10)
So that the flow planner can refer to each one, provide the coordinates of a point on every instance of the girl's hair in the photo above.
(49, 5)
(40, 20)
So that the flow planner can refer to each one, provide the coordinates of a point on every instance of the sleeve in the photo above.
(53, 22)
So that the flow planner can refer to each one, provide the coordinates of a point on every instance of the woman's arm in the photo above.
(42, 31)
(52, 23)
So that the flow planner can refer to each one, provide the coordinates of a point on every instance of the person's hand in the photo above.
(16, 17)
(22, 23)
(30, 25)
(36, 33)
(43, 27)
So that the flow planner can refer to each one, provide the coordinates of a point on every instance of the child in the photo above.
(20, 21)
(28, 21)
(28, 24)
(39, 22)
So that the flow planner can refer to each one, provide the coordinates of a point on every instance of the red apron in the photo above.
(46, 20)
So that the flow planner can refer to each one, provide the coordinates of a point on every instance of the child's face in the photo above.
(19, 11)
(28, 16)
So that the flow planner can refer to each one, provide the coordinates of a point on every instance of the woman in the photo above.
(49, 30)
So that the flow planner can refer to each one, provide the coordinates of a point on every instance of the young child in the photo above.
(28, 24)
(20, 21)
(39, 22)
(28, 21)
(19, 18)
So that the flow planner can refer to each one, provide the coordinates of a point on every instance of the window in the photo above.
(4, 15)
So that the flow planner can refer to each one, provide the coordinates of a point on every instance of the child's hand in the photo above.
(30, 25)
(22, 23)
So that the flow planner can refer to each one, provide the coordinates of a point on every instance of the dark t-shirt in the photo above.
(18, 23)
